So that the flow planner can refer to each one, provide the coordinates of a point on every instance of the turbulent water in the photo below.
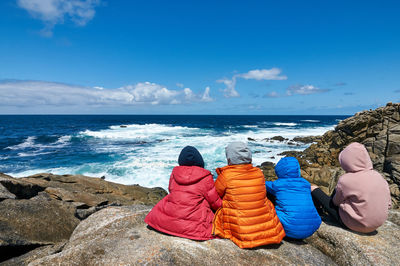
(140, 150)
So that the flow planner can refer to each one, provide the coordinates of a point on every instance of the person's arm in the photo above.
(270, 187)
(220, 183)
(211, 194)
(338, 198)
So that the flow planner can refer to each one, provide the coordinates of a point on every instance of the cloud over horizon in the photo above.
(53, 12)
(296, 90)
(304, 90)
(256, 74)
(21, 93)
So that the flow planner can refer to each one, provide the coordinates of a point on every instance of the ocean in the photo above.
(141, 149)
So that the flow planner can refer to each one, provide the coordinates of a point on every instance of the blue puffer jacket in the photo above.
(294, 205)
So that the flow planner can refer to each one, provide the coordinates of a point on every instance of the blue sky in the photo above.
(198, 57)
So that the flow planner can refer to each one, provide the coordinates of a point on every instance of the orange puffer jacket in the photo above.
(247, 217)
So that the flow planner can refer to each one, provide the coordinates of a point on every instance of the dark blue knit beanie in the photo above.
(190, 156)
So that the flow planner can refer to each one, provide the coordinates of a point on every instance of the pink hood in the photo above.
(355, 158)
(362, 194)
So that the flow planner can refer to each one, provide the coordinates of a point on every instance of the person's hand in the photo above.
(313, 187)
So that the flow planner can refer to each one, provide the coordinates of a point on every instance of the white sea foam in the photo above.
(63, 140)
(28, 143)
(151, 165)
(310, 121)
(139, 132)
(285, 124)
(29, 154)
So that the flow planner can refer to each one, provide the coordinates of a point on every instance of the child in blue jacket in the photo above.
(294, 205)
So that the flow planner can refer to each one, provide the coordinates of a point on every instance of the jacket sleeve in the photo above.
(211, 194)
(338, 198)
(270, 187)
(220, 184)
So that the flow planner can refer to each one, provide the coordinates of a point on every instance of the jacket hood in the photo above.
(355, 158)
(185, 175)
(238, 153)
(190, 156)
(287, 167)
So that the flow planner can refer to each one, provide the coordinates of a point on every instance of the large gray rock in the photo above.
(118, 236)
(37, 253)
(86, 194)
(39, 221)
(349, 248)
(93, 191)
(5, 194)
(21, 189)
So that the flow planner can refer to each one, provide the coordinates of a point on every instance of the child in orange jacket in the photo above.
(247, 217)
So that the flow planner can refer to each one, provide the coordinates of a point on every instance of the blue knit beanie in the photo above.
(190, 156)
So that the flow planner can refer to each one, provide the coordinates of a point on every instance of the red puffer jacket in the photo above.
(187, 210)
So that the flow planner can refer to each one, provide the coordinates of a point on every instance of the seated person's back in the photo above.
(187, 210)
(247, 217)
(294, 205)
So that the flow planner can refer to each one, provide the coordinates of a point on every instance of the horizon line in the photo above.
(194, 114)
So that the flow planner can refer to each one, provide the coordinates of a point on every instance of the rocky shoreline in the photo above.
(43, 210)
(50, 219)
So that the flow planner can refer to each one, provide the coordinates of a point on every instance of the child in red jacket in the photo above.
(187, 211)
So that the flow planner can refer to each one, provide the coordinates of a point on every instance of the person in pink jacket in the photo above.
(362, 198)
(187, 211)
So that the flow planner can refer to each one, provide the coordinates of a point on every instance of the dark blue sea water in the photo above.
(140, 149)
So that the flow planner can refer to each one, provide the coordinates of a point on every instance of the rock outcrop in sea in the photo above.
(50, 219)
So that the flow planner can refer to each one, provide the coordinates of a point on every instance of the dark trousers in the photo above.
(324, 202)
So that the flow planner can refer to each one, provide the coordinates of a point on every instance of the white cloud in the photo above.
(229, 91)
(42, 93)
(146, 92)
(304, 90)
(190, 96)
(263, 74)
(206, 95)
(53, 12)
(256, 74)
